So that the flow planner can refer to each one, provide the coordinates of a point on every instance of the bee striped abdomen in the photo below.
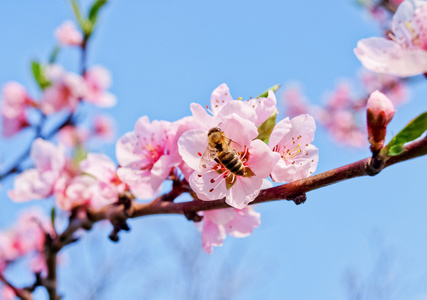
(232, 162)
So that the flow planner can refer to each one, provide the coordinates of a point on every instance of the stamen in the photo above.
(410, 28)
(291, 153)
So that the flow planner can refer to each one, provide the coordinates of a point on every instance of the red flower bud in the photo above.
(379, 113)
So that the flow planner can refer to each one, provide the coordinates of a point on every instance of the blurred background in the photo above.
(361, 239)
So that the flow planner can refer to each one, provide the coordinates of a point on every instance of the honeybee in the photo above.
(225, 151)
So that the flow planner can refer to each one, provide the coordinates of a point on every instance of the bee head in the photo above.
(215, 135)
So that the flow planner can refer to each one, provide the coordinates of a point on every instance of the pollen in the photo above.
(240, 98)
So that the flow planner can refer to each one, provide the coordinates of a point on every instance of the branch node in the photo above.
(193, 216)
(374, 165)
(114, 237)
(298, 199)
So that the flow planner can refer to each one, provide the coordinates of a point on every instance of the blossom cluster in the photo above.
(158, 150)
(64, 91)
(25, 239)
(61, 90)
(343, 113)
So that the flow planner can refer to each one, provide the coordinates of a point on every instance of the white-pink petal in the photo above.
(68, 35)
(244, 222)
(385, 56)
(220, 96)
(239, 130)
(212, 235)
(262, 159)
(192, 145)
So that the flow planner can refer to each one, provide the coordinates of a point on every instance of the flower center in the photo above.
(291, 150)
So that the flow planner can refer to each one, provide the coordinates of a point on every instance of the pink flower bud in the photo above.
(68, 35)
(379, 113)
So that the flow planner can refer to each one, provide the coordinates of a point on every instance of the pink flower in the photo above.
(96, 186)
(65, 91)
(390, 85)
(38, 263)
(146, 156)
(71, 136)
(292, 140)
(14, 100)
(222, 104)
(108, 185)
(343, 126)
(212, 180)
(379, 113)
(7, 293)
(8, 251)
(39, 182)
(68, 35)
(404, 54)
(103, 127)
(13, 104)
(234, 222)
(30, 231)
(98, 80)
(75, 191)
(340, 97)
(27, 235)
(295, 101)
(11, 126)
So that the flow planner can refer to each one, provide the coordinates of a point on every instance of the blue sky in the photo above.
(166, 54)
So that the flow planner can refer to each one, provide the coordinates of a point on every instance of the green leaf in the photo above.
(52, 216)
(94, 10)
(54, 54)
(395, 150)
(85, 24)
(266, 128)
(412, 131)
(77, 13)
(39, 75)
(274, 88)
(79, 154)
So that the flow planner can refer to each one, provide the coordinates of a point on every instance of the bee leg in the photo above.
(217, 160)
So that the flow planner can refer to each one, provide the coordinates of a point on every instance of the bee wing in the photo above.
(207, 157)
(235, 146)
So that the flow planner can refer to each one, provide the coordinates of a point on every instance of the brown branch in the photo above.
(54, 245)
(293, 191)
(20, 293)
